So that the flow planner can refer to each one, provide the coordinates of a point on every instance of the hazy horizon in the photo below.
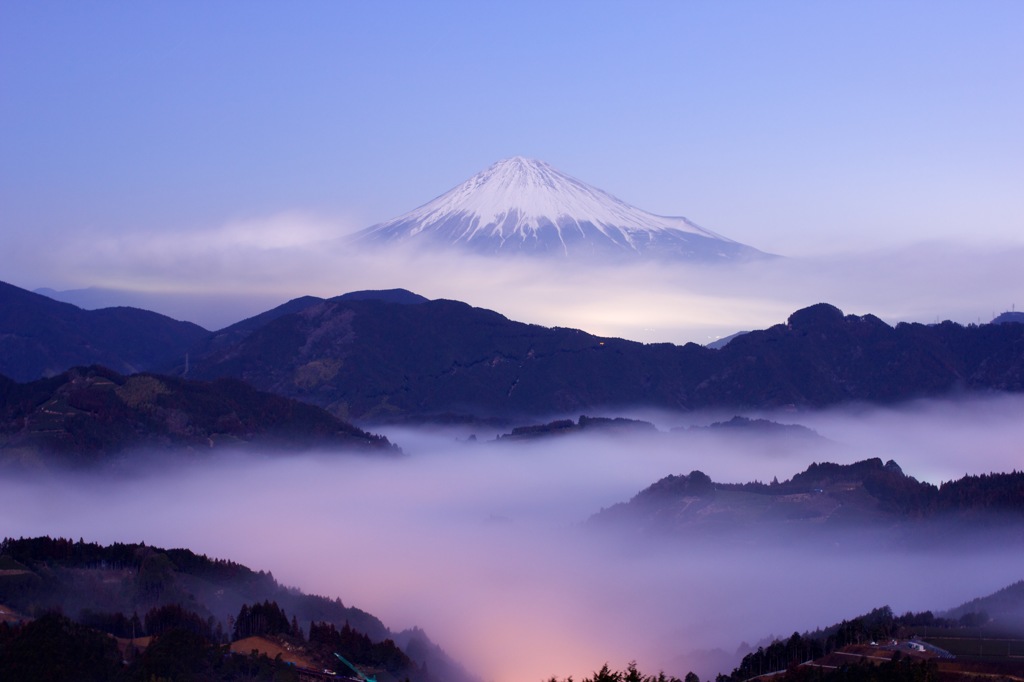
(220, 152)
(647, 302)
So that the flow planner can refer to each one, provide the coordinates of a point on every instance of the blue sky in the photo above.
(801, 128)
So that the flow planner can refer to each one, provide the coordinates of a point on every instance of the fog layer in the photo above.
(480, 543)
(216, 277)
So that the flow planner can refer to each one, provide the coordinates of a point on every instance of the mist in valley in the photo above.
(217, 277)
(483, 543)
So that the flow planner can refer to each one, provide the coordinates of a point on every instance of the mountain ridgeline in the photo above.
(395, 356)
(42, 337)
(90, 415)
(828, 504)
(372, 360)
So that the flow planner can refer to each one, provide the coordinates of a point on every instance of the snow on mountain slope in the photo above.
(525, 206)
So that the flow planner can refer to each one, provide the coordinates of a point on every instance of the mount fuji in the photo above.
(525, 206)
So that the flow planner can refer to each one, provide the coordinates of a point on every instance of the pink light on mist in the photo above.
(481, 545)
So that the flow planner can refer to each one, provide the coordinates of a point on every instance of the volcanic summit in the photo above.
(525, 206)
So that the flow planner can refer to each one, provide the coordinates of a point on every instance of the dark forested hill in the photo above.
(237, 332)
(828, 500)
(135, 590)
(87, 414)
(394, 355)
(374, 359)
(42, 337)
(1005, 608)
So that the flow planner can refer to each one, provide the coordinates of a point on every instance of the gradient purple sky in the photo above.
(143, 142)
(208, 154)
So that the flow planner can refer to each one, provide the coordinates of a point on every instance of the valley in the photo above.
(482, 543)
(582, 524)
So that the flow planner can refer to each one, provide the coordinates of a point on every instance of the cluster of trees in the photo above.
(630, 674)
(899, 669)
(183, 646)
(990, 492)
(47, 578)
(326, 639)
(169, 617)
(67, 552)
(80, 554)
(55, 573)
(53, 648)
(60, 574)
(878, 625)
(264, 619)
(997, 492)
(780, 655)
(156, 622)
(116, 624)
(783, 658)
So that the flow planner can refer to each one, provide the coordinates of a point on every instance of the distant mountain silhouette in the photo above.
(42, 337)
(725, 340)
(237, 332)
(392, 355)
(1012, 316)
(826, 500)
(233, 334)
(385, 295)
(561, 427)
(525, 207)
(1005, 607)
(87, 414)
(375, 360)
(760, 429)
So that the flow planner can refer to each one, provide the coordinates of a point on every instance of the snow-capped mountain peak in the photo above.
(525, 205)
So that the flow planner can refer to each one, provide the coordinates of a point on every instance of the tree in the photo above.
(605, 674)
(55, 648)
(261, 619)
(172, 616)
(632, 674)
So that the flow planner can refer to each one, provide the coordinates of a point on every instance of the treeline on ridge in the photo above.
(993, 492)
